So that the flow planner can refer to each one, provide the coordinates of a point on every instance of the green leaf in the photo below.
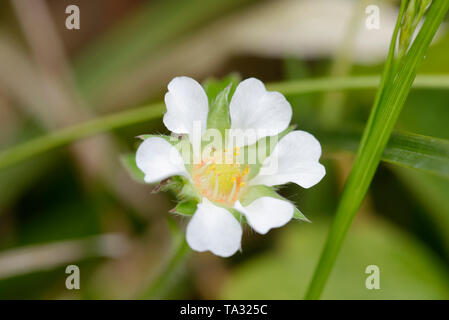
(427, 154)
(186, 207)
(129, 163)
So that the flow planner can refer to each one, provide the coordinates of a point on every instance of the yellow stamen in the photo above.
(220, 182)
(232, 194)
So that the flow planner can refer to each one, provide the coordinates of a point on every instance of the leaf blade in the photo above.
(409, 150)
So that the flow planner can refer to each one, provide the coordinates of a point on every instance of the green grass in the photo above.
(409, 150)
(396, 83)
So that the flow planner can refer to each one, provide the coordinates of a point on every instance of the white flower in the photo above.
(224, 186)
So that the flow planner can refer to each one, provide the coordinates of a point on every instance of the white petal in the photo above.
(158, 160)
(266, 213)
(253, 107)
(187, 105)
(294, 159)
(215, 229)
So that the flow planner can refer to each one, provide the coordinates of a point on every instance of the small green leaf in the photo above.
(186, 208)
(129, 162)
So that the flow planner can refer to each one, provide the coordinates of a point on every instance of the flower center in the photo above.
(220, 181)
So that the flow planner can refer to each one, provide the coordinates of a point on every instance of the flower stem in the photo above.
(172, 269)
(391, 98)
(73, 133)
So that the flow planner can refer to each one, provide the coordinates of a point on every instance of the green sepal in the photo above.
(213, 86)
(128, 161)
(175, 184)
(186, 207)
(298, 215)
(237, 215)
(219, 93)
(255, 192)
(218, 117)
(188, 191)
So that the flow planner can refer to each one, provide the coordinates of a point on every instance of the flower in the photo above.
(219, 183)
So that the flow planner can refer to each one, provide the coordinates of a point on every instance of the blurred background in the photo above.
(78, 205)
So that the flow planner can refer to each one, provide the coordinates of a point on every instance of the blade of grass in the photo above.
(73, 133)
(297, 87)
(377, 132)
(409, 150)
(130, 117)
